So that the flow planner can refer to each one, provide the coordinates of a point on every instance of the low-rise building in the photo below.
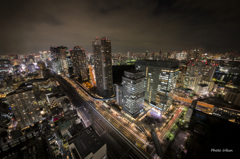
(87, 145)
(25, 107)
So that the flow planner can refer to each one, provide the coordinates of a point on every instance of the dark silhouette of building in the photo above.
(78, 58)
(103, 66)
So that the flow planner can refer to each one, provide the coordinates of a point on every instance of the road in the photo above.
(113, 117)
(128, 130)
(117, 143)
(170, 124)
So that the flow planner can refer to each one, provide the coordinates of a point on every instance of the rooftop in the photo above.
(75, 129)
(87, 141)
(133, 74)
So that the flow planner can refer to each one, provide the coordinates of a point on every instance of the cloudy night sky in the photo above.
(29, 26)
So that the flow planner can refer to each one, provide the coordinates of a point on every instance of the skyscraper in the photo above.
(59, 59)
(132, 92)
(103, 66)
(198, 72)
(160, 80)
(78, 58)
(193, 75)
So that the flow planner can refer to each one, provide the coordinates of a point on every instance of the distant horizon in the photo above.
(214, 51)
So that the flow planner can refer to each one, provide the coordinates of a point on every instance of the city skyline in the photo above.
(119, 79)
(59, 104)
(28, 27)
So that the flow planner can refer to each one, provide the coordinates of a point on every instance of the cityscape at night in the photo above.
(119, 79)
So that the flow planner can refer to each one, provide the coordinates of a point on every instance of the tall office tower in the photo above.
(54, 60)
(103, 66)
(132, 92)
(78, 57)
(182, 74)
(198, 72)
(24, 107)
(193, 75)
(160, 80)
(207, 76)
(70, 65)
(63, 59)
(59, 59)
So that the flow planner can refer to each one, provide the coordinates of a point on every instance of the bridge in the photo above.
(91, 95)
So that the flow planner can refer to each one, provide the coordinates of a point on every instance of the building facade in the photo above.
(59, 60)
(160, 81)
(119, 93)
(198, 72)
(202, 89)
(78, 58)
(103, 66)
(132, 92)
(193, 75)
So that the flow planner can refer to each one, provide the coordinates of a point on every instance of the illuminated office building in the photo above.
(78, 58)
(132, 92)
(103, 66)
(193, 75)
(160, 80)
(59, 60)
(208, 72)
(198, 72)
(201, 89)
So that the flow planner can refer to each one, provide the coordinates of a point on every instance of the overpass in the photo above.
(92, 96)
(108, 120)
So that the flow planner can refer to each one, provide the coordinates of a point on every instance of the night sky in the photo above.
(29, 26)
